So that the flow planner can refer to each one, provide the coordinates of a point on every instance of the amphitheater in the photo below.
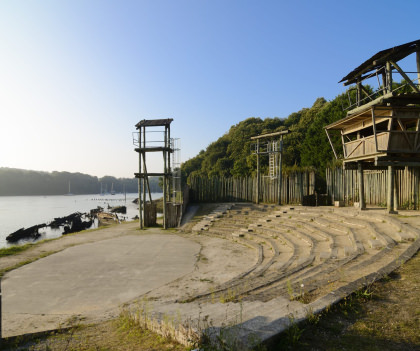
(240, 273)
(263, 267)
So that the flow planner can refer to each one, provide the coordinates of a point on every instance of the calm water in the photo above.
(25, 211)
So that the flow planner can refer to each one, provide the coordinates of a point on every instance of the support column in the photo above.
(165, 180)
(390, 185)
(361, 182)
(140, 200)
(258, 172)
(144, 170)
(280, 177)
(359, 92)
(396, 192)
(389, 76)
(418, 66)
(416, 177)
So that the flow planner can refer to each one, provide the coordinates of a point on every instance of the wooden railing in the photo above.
(366, 146)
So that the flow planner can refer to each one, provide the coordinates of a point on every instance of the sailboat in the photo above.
(112, 189)
(69, 193)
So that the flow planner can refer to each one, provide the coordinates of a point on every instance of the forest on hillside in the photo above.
(305, 147)
(16, 182)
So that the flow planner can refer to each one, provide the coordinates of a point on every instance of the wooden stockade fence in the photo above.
(218, 189)
(342, 185)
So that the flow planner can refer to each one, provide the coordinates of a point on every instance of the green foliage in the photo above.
(307, 145)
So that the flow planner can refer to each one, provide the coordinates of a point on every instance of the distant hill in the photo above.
(15, 182)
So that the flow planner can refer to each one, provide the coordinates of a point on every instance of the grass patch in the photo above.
(120, 334)
(382, 316)
(13, 250)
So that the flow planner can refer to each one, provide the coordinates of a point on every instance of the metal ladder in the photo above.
(272, 159)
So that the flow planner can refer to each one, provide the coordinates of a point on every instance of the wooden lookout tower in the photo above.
(381, 129)
(162, 143)
(270, 144)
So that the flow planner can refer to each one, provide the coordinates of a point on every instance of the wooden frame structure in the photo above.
(143, 148)
(264, 149)
(382, 129)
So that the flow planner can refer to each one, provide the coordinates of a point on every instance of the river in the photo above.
(25, 211)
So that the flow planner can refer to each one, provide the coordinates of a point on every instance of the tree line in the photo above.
(16, 182)
(305, 147)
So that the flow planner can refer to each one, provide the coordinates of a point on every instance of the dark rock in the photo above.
(119, 209)
(29, 233)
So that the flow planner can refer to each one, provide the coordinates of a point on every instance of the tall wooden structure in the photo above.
(268, 144)
(381, 129)
(147, 212)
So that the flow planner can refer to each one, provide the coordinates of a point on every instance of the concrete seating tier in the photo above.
(302, 259)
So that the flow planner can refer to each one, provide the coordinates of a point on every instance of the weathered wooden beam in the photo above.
(374, 129)
(269, 135)
(407, 78)
(358, 93)
(139, 184)
(332, 146)
(257, 200)
(153, 149)
(418, 65)
(344, 146)
(405, 133)
(146, 176)
(388, 72)
(366, 92)
(165, 214)
(416, 138)
(390, 186)
(360, 179)
(280, 175)
(367, 166)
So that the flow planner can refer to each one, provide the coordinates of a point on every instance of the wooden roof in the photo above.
(364, 114)
(379, 60)
(154, 122)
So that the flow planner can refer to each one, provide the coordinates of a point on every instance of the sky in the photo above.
(77, 75)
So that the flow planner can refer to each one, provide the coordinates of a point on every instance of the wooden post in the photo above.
(169, 164)
(164, 179)
(389, 76)
(390, 199)
(144, 173)
(257, 200)
(396, 191)
(140, 200)
(361, 186)
(280, 176)
(416, 186)
(358, 92)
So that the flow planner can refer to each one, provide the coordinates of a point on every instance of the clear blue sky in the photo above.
(77, 75)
